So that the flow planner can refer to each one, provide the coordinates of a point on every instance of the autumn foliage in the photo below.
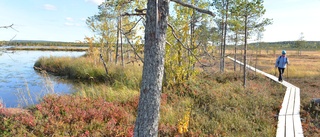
(70, 116)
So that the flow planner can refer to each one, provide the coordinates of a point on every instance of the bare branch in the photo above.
(140, 10)
(125, 33)
(173, 33)
(133, 14)
(134, 49)
(10, 26)
(194, 7)
(13, 38)
(207, 53)
(104, 63)
(176, 37)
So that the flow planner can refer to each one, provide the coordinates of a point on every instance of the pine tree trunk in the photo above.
(121, 44)
(149, 103)
(221, 46)
(117, 46)
(235, 52)
(245, 53)
(225, 36)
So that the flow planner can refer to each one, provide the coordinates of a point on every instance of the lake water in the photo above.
(21, 85)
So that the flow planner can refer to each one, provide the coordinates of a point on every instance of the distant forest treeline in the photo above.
(42, 43)
(288, 45)
(263, 45)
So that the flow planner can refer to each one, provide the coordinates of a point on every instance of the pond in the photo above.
(21, 85)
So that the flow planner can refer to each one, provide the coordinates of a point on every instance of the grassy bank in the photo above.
(89, 69)
(215, 105)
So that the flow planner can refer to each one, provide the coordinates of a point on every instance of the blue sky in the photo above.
(290, 18)
(56, 20)
(64, 20)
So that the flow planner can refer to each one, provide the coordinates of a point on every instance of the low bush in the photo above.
(70, 116)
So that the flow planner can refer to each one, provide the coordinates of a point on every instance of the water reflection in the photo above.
(21, 85)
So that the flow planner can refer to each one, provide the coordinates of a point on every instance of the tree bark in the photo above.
(121, 45)
(153, 69)
(225, 35)
(235, 52)
(117, 46)
(221, 46)
(245, 53)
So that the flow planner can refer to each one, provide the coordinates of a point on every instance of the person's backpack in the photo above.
(280, 58)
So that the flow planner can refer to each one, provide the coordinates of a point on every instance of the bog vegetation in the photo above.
(202, 93)
(206, 105)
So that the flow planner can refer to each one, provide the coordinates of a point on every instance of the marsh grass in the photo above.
(110, 94)
(25, 98)
(90, 69)
(74, 68)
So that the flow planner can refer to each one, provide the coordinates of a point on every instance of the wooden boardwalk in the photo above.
(289, 122)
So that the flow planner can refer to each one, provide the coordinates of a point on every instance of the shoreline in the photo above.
(49, 48)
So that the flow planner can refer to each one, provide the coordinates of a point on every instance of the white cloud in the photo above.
(98, 2)
(72, 24)
(49, 7)
(68, 24)
(69, 19)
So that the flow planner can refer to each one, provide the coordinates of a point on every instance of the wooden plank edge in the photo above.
(281, 126)
(298, 131)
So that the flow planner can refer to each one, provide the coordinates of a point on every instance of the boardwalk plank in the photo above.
(297, 126)
(289, 126)
(281, 131)
(297, 102)
(291, 101)
(284, 106)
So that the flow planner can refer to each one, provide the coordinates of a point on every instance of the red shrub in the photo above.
(79, 116)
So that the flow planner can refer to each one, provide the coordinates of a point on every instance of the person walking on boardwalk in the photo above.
(281, 63)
